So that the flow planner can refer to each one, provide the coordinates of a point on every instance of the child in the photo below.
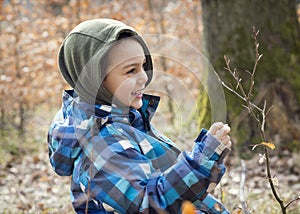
(103, 137)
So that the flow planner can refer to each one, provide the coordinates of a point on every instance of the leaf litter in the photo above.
(29, 185)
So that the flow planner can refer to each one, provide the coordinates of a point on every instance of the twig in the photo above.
(242, 189)
(257, 113)
(292, 201)
(235, 92)
(279, 200)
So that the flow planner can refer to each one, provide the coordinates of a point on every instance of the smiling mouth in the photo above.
(137, 93)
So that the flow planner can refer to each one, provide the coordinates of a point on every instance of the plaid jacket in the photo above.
(120, 163)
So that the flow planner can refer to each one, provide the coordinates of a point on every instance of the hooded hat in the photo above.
(81, 55)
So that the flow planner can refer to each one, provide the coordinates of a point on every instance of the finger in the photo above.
(229, 144)
(226, 140)
(226, 128)
(222, 132)
(219, 135)
(215, 127)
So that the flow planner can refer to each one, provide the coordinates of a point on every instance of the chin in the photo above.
(137, 105)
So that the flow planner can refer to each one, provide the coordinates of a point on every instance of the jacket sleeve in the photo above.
(123, 178)
(210, 154)
(63, 146)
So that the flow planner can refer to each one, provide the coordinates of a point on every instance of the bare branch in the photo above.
(242, 188)
(263, 117)
(292, 201)
(269, 110)
(257, 113)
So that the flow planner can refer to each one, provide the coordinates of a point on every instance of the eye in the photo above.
(131, 71)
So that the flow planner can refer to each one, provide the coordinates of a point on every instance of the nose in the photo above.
(142, 77)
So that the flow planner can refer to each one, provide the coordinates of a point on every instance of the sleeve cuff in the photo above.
(211, 205)
(202, 134)
(210, 146)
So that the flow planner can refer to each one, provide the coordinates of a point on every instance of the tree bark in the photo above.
(227, 31)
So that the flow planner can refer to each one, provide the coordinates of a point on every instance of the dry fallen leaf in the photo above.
(237, 210)
(188, 208)
(270, 145)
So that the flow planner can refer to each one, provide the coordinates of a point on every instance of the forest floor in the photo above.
(28, 185)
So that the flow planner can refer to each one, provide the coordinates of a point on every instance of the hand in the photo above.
(220, 131)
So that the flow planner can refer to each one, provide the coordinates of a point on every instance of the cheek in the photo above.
(116, 85)
(126, 86)
(123, 91)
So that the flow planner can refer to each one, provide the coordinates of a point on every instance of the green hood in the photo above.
(80, 55)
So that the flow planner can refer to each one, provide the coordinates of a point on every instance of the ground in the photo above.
(28, 185)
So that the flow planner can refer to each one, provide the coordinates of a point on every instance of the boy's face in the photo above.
(126, 76)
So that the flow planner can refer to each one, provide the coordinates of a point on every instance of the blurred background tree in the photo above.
(32, 31)
(227, 31)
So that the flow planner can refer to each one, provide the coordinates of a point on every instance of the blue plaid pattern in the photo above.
(117, 165)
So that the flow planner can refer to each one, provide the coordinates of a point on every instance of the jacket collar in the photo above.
(70, 98)
(150, 104)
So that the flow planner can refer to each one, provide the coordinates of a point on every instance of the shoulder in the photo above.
(104, 133)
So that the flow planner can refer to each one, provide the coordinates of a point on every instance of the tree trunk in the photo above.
(2, 120)
(22, 121)
(158, 22)
(228, 31)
